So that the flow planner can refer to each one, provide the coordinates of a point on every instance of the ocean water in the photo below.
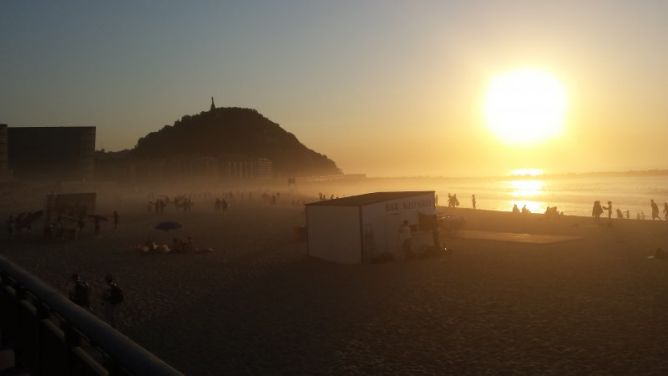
(574, 195)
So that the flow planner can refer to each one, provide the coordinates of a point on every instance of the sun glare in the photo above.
(525, 106)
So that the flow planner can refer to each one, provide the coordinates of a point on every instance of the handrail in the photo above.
(121, 349)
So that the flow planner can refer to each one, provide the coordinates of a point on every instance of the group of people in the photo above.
(453, 201)
(598, 210)
(64, 226)
(158, 206)
(220, 204)
(552, 212)
(181, 202)
(184, 203)
(406, 239)
(21, 223)
(111, 298)
(525, 210)
(178, 246)
(271, 199)
(324, 197)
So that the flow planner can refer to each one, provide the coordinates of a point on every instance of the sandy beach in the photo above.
(258, 305)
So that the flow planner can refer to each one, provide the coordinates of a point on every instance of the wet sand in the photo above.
(257, 305)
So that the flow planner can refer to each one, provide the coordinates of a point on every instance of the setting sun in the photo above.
(525, 106)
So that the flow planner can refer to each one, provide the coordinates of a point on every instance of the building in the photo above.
(179, 167)
(4, 165)
(257, 168)
(51, 152)
(359, 229)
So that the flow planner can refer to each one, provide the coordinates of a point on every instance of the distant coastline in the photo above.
(628, 173)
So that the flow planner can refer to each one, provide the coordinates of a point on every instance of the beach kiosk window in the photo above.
(357, 229)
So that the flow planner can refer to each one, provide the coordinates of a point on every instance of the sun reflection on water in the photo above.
(526, 188)
(525, 192)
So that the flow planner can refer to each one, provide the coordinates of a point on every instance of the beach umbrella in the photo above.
(168, 226)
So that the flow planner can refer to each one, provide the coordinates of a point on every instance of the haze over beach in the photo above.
(333, 188)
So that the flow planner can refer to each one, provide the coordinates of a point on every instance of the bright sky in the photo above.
(383, 87)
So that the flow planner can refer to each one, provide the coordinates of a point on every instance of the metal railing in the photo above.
(51, 335)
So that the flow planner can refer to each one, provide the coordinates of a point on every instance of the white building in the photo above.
(358, 229)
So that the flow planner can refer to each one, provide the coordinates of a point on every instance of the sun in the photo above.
(525, 106)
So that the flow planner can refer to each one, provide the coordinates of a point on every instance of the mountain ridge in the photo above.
(234, 133)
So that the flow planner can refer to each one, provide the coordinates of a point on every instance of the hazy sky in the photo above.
(382, 87)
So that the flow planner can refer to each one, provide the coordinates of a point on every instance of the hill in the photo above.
(234, 134)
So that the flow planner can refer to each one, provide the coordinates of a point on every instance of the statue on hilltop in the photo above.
(213, 105)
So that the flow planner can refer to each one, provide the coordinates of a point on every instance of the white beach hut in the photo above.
(357, 229)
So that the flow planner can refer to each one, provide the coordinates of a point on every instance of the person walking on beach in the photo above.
(116, 219)
(609, 209)
(655, 210)
(473, 201)
(81, 222)
(597, 210)
(80, 292)
(665, 211)
(112, 297)
(96, 225)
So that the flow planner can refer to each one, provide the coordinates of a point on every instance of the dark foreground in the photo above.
(257, 305)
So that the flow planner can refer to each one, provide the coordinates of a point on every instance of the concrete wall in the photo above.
(51, 152)
(334, 233)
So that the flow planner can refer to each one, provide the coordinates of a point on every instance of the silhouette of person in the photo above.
(525, 210)
(665, 210)
(111, 298)
(516, 210)
(609, 209)
(473, 201)
(620, 215)
(81, 222)
(80, 292)
(655, 210)
(96, 225)
(116, 219)
(597, 210)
